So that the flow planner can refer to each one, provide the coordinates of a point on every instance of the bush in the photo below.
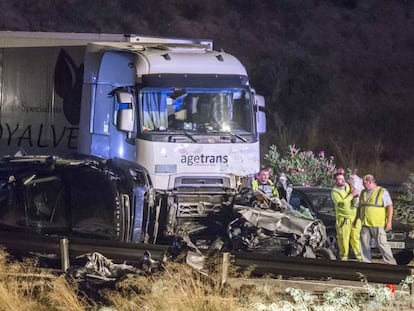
(304, 168)
(404, 203)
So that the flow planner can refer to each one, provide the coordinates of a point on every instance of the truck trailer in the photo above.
(182, 111)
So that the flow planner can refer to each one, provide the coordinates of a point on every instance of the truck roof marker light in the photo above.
(166, 56)
(220, 57)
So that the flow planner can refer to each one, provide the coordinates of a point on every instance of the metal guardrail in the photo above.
(63, 250)
(320, 268)
(57, 248)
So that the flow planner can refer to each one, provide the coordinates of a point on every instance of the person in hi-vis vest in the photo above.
(265, 185)
(375, 212)
(343, 196)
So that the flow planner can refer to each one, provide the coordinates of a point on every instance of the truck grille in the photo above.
(198, 205)
(200, 209)
(202, 181)
(201, 184)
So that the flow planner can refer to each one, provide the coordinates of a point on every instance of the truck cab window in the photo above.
(154, 110)
(196, 110)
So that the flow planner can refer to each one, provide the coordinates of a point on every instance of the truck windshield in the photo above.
(196, 110)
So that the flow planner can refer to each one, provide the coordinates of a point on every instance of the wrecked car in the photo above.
(76, 197)
(263, 227)
(54, 197)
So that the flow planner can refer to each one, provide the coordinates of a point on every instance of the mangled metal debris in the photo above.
(98, 269)
(260, 225)
(275, 231)
(265, 227)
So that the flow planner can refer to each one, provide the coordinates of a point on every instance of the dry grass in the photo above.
(180, 288)
(64, 296)
(24, 286)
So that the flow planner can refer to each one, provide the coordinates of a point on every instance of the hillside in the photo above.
(337, 75)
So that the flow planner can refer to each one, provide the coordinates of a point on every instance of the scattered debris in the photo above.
(98, 269)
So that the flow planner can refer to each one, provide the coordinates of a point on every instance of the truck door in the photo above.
(116, 70)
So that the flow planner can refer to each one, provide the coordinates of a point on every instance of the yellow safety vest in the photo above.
(269, 189)
(343, 202)
(373, 212)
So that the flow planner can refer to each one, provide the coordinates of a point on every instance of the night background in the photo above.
(336, 75)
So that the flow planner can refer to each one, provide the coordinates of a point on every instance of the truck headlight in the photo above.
(411, 234)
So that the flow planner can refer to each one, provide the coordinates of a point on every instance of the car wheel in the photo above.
(404, 257)
(325, 253)
(331, 243)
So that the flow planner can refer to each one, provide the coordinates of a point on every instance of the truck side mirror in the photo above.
(125, 115)
(260, 114)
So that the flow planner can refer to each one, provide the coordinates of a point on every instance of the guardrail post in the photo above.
(225, 268)
(64, 254)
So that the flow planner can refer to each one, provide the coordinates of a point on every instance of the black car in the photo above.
(317, 202)
(100, 203)
(80, 197)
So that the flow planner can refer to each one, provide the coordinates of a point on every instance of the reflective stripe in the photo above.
(269, 189)
(373, 211)
(343, 193)
(378, 198)
(343, 202)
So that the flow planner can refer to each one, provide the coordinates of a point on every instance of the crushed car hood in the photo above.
(256, 226)
(276, 221)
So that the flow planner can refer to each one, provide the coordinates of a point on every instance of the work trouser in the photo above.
(347, 234)
(380, 236)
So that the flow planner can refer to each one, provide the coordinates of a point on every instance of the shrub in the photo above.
(303, 168)
(404, 203)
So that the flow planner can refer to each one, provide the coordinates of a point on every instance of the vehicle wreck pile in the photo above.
(258, 224)
(263, 226)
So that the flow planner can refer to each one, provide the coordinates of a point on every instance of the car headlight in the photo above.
(137, 176)
(411, 234)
